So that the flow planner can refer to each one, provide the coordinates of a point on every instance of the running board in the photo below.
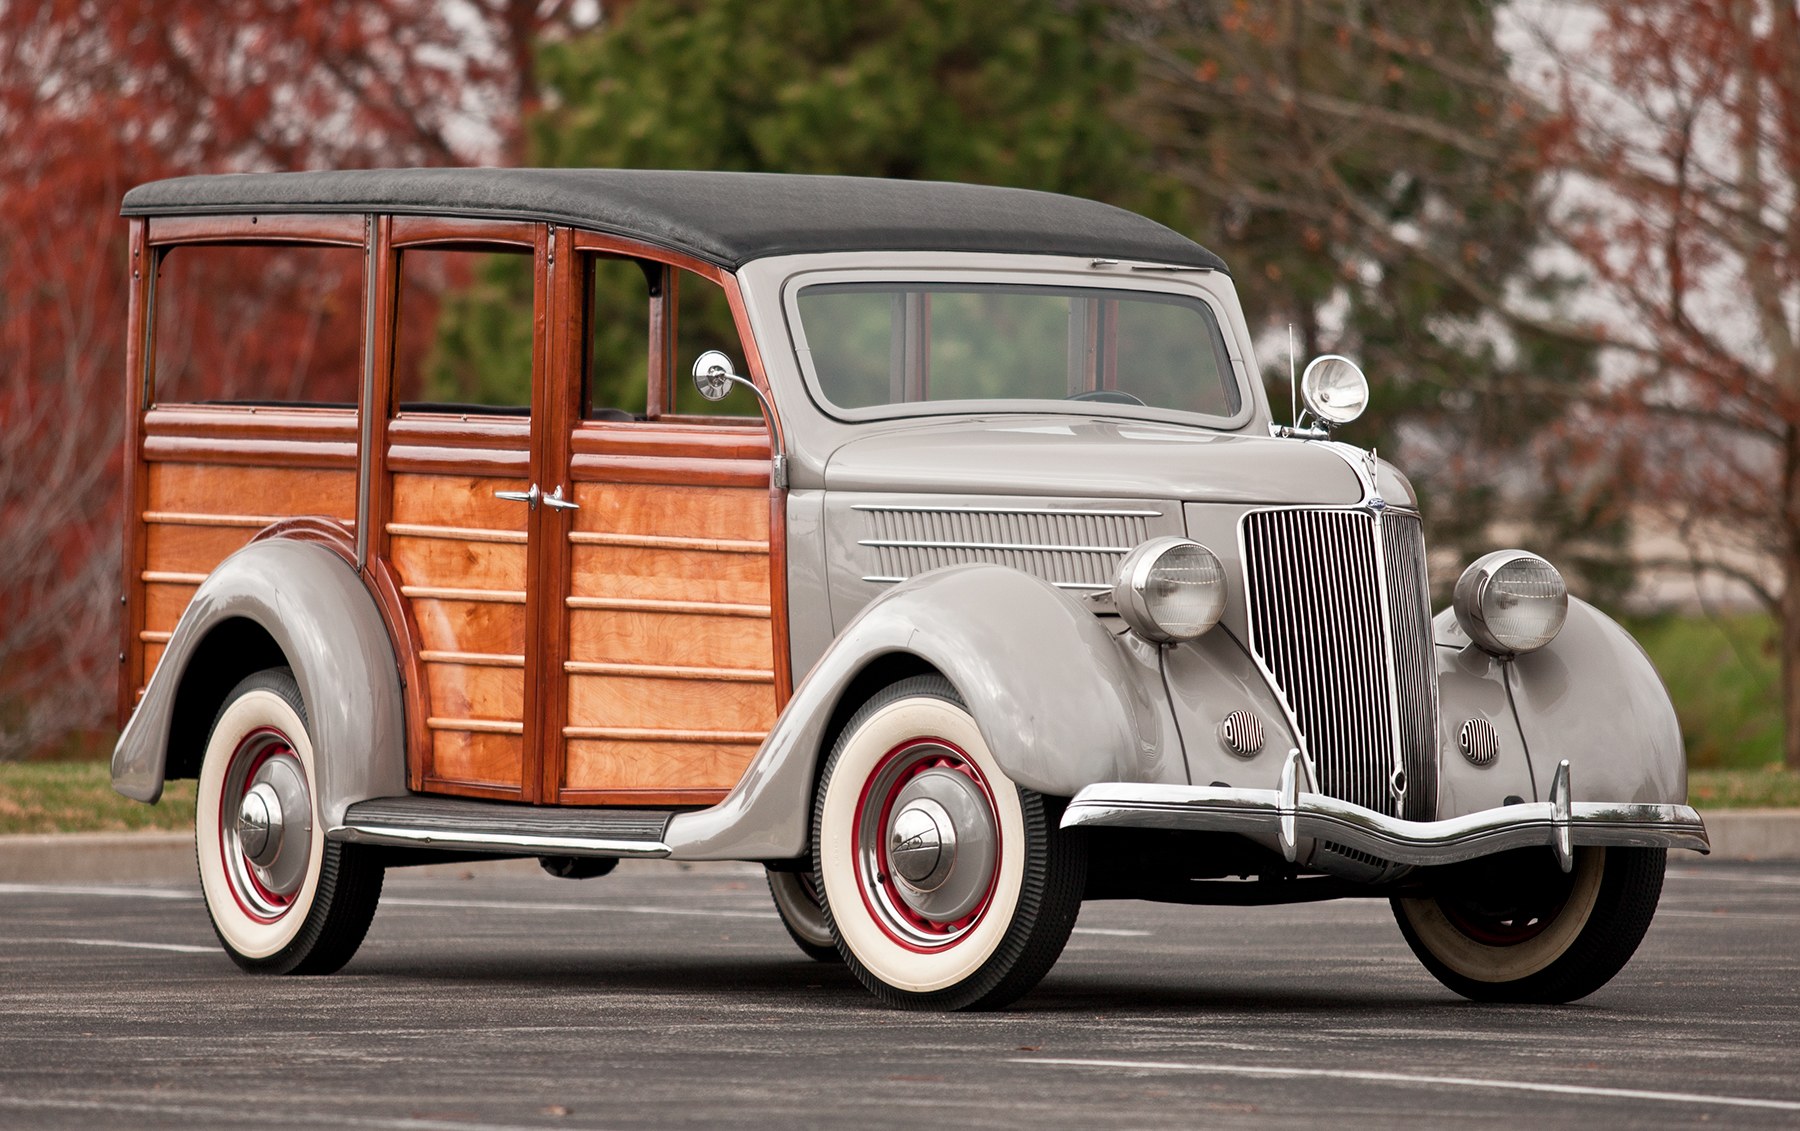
(504, 828)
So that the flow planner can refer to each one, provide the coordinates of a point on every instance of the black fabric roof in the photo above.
(724, 218)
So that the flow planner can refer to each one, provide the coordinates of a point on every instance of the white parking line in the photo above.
(1671, 913)
(1409, 1078)
(70, 889)
(1111, 931)
(178, 948)
(140, 1108)
(1723, 877)
(626, 908)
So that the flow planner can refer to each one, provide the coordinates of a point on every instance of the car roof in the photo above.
(721, 217)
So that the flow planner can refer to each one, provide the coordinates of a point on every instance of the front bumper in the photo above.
(1294, 815)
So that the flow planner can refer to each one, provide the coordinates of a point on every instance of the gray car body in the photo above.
(1063, 694)
(315, 608)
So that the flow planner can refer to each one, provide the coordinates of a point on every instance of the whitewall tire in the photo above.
(945, 885)
(1515, 928)
(282, 898)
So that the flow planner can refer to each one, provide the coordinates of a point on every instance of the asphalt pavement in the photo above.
(668, 996)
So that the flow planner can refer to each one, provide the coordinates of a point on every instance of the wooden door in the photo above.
(459, 438)
(668, 640)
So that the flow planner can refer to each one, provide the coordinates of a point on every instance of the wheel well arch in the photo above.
(232, 649)
(881, 671)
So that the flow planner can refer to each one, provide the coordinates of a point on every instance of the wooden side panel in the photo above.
(459, 553)
(196, 514)
(670, 671)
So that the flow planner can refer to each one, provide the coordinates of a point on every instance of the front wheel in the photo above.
(1515, 928)
(946, 885)
(283, 899)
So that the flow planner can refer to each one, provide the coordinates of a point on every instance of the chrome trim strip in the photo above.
(1083, 585)
(1032, 547)
(400, 836)
(894, 507)
(1272, 812)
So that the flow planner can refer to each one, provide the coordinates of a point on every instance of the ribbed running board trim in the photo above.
(503, 828)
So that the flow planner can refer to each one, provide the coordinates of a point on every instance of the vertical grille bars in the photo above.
(1335, 606)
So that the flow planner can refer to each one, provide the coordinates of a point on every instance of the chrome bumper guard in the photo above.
(1294, 814)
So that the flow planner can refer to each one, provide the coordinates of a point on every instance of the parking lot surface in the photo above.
(669, 996)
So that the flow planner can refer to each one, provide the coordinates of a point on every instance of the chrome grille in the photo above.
(1330, 634)
(1415, 667)
(1075, 549)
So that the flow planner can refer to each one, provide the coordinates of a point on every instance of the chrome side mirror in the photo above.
(713, 378)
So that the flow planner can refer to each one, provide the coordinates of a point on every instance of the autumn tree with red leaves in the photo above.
(99, 95)
(1675, 129)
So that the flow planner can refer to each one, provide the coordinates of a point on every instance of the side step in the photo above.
(504, 828)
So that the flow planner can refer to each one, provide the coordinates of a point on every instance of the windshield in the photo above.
(890, 343)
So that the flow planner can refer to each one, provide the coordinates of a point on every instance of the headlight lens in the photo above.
(1170, 589)
(1511, 602)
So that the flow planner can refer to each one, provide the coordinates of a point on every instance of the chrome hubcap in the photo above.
(922, 845)
(268, 842)
(928, 844)
(259, 825)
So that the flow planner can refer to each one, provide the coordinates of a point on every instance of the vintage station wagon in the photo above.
(933, 545)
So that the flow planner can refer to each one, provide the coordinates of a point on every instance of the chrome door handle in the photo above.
(556, 500)
(529, 498)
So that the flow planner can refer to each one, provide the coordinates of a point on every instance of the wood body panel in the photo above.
(669, 680)
(135, 661)
(630, 652)
(649, 773)
(663, 573)
(196, 511)
(617, 701)
(475, 763)
(344, 229)
(222, 489)
(459, 555)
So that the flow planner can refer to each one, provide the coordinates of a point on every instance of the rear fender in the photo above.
(325, 625)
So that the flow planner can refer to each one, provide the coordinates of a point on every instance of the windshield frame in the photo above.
(1167, 283)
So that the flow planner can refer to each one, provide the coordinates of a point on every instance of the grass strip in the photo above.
(77, 797)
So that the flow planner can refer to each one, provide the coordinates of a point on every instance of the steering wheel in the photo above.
(1106, 396)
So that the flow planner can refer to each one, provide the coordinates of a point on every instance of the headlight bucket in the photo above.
(1170, 589)
(1511, 602)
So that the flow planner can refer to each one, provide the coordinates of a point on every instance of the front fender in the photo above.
(1058, 699)
(317, 611)
(1590, 696)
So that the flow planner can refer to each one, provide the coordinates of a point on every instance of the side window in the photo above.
(464, 341)
(618, 360)
(258, 325)
(703, 322)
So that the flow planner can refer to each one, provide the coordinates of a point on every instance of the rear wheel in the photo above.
(283, 899)
(945, 885)
(1515, 928)
(796, 898)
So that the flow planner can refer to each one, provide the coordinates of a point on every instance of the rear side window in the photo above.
(258, 325)
(464, 341)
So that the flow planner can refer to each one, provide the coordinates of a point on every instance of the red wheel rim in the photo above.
(898, 920)
(256, 899)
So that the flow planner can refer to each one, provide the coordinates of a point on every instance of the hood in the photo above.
(1100, 458)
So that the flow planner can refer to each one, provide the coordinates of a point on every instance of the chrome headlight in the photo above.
(1511, 602)
(1170, 589)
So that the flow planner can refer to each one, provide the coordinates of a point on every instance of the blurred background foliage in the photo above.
(1378, 176)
